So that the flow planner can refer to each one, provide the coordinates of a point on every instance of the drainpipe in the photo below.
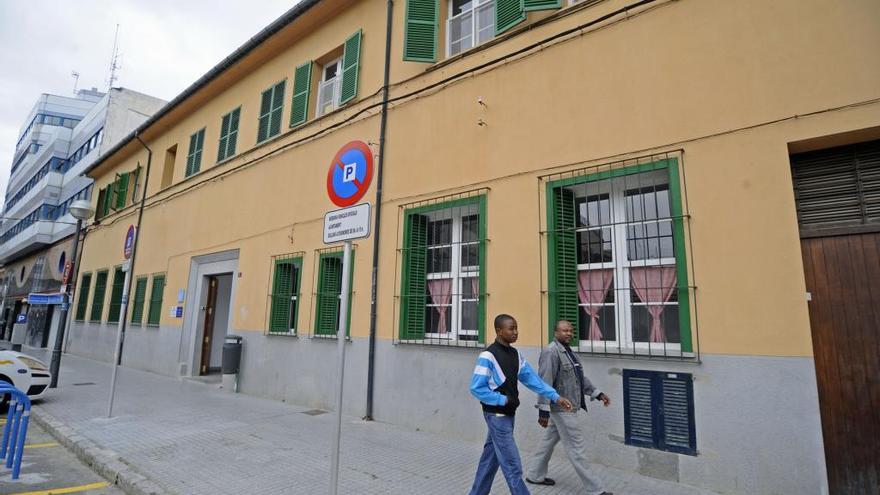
(137, 238)
(371, 368)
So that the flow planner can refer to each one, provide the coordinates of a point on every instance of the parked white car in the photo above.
(24, 373)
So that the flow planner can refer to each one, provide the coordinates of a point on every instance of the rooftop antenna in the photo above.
(75, 75)
(114, 61)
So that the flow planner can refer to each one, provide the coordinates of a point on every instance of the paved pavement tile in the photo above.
(192, 439)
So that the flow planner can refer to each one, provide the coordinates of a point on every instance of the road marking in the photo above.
(72, 489)
(41, 445)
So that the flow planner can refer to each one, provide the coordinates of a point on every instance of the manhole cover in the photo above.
(83, 383)
(314, 412)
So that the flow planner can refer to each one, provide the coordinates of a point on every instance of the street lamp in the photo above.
(81, 210)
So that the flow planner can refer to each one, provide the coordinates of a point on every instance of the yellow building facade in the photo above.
(627, 166)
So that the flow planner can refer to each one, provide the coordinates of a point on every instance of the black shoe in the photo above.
(547, 481)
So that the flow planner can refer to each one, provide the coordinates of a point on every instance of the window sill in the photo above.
(328, 337)
(641, 354)
(282, 334)
(456, 344)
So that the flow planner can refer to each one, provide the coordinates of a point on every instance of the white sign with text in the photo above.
(346, 224)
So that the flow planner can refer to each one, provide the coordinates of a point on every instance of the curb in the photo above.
(104, 462)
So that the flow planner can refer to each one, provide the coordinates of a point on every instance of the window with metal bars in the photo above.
(443, 256)
(83, 298)
(284, 300)
(140, 295)
(838, 187)
(154, 314)
(271, 106)
(329, 288)
(98, 298)
(617, 267)
(658, 410)
(228, 135)
(116, 295)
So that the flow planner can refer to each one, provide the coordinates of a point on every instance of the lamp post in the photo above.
(81, 210)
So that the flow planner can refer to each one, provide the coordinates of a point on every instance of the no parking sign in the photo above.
(350, 174)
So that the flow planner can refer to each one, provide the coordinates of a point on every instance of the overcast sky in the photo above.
(164, 46)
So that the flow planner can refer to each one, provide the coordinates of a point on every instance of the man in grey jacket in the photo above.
(562, 368)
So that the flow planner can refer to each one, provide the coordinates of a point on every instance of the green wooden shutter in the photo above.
(83, 300)
(98, 298)
(329, 288)
(136, 182)
(284, 288)
(224, 137)
(155, 312)
(563, 262)
(116, 296)
(194, 157)
(508, 13)
(415, 255)
(121, 191)
(420, 35)
(265, 111)
(233, 132)
(140, 294)
(302, 82)
(530, 5)
(108, 198)
(277, 107)
(351, 60)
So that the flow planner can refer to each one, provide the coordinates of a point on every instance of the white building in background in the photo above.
(60, 138)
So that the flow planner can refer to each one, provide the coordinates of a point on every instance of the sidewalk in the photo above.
(189, 438)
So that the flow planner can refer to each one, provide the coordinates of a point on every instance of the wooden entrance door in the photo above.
(208, 333)
(843, 279)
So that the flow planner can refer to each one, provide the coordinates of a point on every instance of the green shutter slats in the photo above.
(508, 13)
(116, 296)
(277, 106)
(564, 290)
(194, 157)
(329, 288)
(302, 82)
(155, 312)
(83, 299)
(415, 255)
(265, 109)
(284, 288)
(140, 294)
(420, 36)
(351, 59)
(121, 191)
(228, 135)
(530, 5)
(224, 137)
(98, 297)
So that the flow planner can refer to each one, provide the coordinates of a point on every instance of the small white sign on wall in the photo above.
(346, 224)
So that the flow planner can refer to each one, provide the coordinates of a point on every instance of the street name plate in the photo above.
(347, 223)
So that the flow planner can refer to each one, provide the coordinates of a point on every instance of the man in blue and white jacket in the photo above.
(499, 368)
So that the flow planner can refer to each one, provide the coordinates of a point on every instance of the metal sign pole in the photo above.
(123, 311)
(340, 336)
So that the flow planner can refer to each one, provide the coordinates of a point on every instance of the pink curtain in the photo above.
(593, 287)
(441, 294)
(654, 285)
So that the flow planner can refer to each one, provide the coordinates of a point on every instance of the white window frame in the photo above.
(620, 264)
(458, 274)
(336, 85)
(476, 6)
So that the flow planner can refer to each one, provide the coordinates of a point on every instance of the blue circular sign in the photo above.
(129, 242)
(350, 174)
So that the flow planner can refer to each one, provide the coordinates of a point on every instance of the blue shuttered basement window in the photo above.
(659, 410)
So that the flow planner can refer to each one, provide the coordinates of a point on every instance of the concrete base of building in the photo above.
(757, 420)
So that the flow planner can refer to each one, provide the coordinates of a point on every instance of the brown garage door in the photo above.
(838, 199)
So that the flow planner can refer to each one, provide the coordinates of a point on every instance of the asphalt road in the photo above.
(47, 468)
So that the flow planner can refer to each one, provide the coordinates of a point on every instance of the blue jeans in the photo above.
(499, 450)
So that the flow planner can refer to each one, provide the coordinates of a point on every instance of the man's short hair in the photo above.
(560, 322)
(500, 319)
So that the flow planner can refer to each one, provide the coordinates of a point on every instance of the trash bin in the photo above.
(231, 362)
